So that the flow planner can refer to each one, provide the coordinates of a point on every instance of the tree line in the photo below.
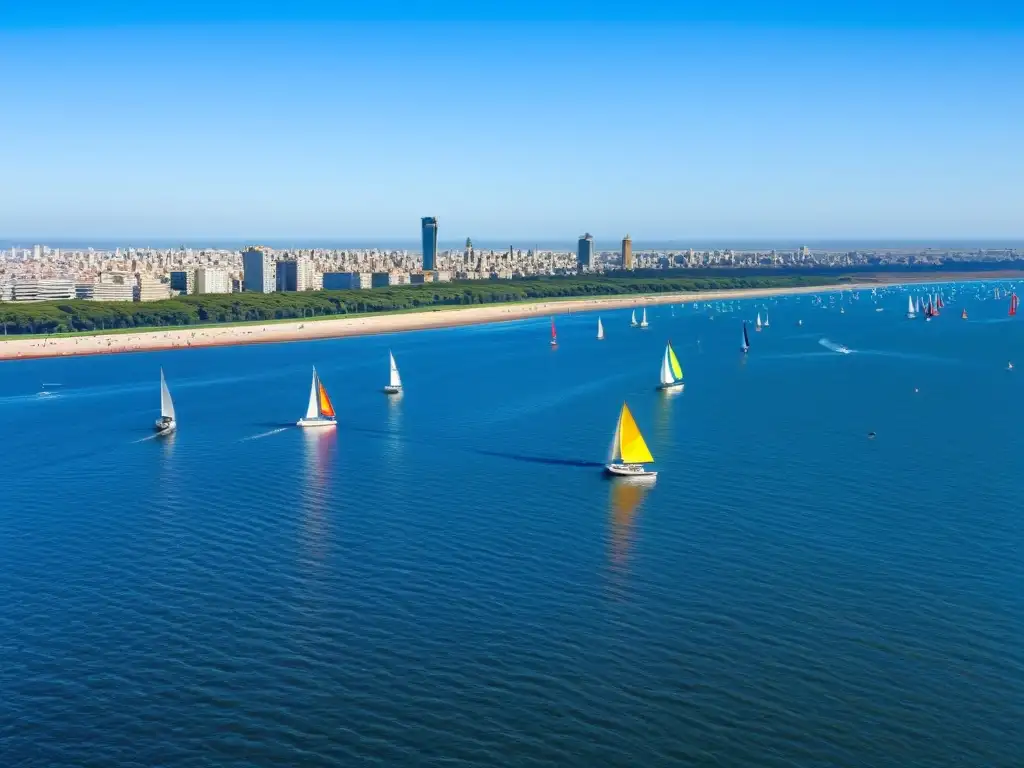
(79, 315)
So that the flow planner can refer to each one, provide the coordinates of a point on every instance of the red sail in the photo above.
(553, 335)
(940, 305)
(1013, 304)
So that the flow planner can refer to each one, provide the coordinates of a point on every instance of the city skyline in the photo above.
(874, 122)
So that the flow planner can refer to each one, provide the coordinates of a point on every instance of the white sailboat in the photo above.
(629, 452)
(671, 371)
(757, 324)
(766, 318)
(320, 411)
(632, 322)
(600, 330)
(910, 308)
(395, 381)
(643, 320)
(167, 422)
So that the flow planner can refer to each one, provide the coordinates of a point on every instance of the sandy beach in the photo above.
(333, 328)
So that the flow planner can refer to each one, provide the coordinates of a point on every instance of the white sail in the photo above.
(613, 450)
(643, 320)
(910, 305)
(313, 409)
(766, 319)
(758, 320)
(666, 370)
(396, 380)
(600, 329)
(166, 404)
(633, 321)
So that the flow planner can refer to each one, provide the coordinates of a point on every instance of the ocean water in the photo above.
(448, 579)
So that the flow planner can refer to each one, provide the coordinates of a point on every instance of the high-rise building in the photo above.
(585, 251)
(627, 253)
(151, 289)
(183, 281)
(428, 227)
(258, 272)
(212, 280)
(287, 273)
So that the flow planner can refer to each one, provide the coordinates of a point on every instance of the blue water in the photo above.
(448, 579)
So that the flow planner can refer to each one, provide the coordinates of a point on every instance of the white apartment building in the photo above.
(51, 289)
(212, 280)
(151, 289)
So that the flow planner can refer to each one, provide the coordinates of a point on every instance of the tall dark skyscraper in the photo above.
(428, 226)
(585, 250)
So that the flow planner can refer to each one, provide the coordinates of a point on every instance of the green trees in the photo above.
(68, 316)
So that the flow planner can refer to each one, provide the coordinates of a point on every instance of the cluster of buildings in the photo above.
(42, 273)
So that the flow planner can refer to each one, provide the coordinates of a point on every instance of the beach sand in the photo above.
(337, 327)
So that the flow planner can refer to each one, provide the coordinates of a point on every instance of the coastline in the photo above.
(366, 325)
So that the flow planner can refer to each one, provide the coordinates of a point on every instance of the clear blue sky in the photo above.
(534, 120)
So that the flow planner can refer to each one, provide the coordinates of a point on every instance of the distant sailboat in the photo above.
(394, 381)
(766, 318)
(633, 323)
(910, 308)
(167, 422)
(600, 330)
(320, 411)
(963, 315)
(643, 320)
(1013, 304)
(757, 324)
(671, 370)
(554, 334)
(938, 302)
(629, 452)
(919, 305)
(746, 339)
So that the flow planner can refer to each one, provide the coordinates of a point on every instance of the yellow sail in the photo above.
(326, 406)
(677, 369)
(632, 447)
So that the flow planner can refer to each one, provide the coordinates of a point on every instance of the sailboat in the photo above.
(395, 381)
(1013, 304)
(629, 452)
(746, 339)
(320, 411)
(671, 371)
(910, 308)
(766, 318)
(919, 305)
(166, 423)
(643, 320)
(554, 334)
(600, 330)
(963, 315)
(757, 325)
(633, 323)
(938, 302)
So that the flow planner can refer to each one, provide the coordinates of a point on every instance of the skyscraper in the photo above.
(428, 226)
(258, 271)
(627, 253)
(585, 251)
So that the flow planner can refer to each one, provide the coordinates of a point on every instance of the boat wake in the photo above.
(264, 434)
(843, 350)
(154, 436)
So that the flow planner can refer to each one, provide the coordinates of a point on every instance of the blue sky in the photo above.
(308, 120)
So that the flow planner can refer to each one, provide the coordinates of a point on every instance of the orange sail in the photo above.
(326, 407)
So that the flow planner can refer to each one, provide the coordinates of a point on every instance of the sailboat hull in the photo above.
(629, 470)
(675, 387)
(165, 427)
(316, 423)
(392, 389)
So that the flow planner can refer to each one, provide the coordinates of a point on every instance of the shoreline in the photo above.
(375, 324)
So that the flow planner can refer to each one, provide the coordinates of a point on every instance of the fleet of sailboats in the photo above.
(671, 372)
(394, 385)
(167, 422)
(629, 453)
(320, 410)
